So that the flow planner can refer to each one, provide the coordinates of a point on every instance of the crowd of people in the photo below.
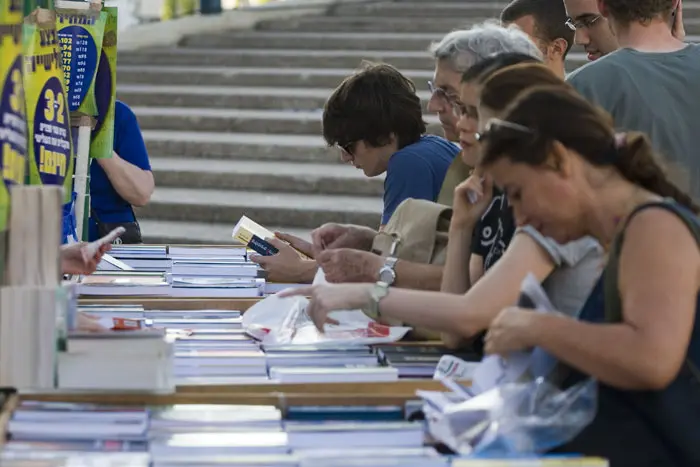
(586, 181)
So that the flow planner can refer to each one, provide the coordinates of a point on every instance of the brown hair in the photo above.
(501, 88)
(545, 114)
(549, 16)
(371, 105)
(643, 11)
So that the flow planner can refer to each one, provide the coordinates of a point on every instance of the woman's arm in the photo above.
(455, 277)
(658, 290)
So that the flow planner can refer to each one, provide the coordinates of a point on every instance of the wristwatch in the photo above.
(379, 291)
(387, 274)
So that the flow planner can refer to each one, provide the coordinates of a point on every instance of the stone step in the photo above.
(234, 120)
(242, 76)
(225, 97)
(290, 58)
(400, 24)
(206, 146)
(239, 146)
(201, 233)
(433, 9)
(265, 176)
(289, 209)
(313, 40)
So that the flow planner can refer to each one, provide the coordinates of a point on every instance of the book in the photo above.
(254, 236)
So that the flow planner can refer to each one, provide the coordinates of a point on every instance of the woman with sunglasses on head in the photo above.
(638, 333)
(483, 234)
(568, 273)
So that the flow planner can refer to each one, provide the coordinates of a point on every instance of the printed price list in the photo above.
(75, 55)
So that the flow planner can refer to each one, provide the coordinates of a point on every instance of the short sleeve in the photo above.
(406, 177)
(569, 254)
(128, 140)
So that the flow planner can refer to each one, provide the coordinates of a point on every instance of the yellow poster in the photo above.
(13, 121)
(50, 149)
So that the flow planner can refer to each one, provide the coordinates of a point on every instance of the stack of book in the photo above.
(207, 435)
(419, 361)
(31, 297)
(128, 360)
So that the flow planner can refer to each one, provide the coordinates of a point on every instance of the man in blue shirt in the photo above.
(376, 119)
(122, 181)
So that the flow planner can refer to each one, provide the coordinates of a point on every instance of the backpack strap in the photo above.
(613, 304)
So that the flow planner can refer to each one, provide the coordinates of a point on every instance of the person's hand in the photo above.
(286, 265)
(324, 299)
(297, 243)
(89, 323)
(347, 265)
(332, 236)
(511, 331)
(677, 28)
(75, 261)
(477, 188)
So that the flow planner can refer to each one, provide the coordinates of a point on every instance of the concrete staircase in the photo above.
(232, 120)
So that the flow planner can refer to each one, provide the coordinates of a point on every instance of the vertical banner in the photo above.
(80, 34)
(50, 150)
(106, 90)
(13, 120)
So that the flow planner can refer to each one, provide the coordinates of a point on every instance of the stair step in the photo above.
(312, 40)
(289, 209)
(289, 58)
(173, 232)
(256, 146)
(327, 78)
(234, 97)
(234, 120)
(421, 9)
(265, 176)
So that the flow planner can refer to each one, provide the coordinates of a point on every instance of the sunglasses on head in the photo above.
(496, 124)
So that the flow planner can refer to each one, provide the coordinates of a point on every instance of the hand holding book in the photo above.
(83, 258)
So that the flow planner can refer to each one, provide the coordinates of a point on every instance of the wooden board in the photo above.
(281, 400)
(172, 303)
(403, 388)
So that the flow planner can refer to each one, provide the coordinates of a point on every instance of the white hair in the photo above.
(463, 48)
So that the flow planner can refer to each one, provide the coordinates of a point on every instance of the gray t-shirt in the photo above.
(578, 266)
(655, 93)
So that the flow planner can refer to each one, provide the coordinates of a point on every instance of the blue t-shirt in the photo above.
(417, 171)
(129, 145)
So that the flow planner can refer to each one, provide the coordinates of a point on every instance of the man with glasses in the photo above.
(545, 22)
(650, 84)
(375, 118)
(455, 54)
(593, 31)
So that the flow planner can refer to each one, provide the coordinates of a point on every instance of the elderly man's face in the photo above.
(445, 88)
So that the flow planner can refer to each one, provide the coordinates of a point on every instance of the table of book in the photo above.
(261, 423)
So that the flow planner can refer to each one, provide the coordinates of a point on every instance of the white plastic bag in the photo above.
(276, 320)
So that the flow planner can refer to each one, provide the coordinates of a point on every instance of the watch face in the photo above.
(387, 275)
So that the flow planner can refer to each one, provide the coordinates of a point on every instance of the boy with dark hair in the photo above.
(650, 84)
(376, 119)
(545, 22)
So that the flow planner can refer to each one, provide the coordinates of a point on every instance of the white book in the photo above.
(349, 434)
(228, 444)
(333, 375)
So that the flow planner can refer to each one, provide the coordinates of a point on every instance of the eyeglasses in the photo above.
(495, 124)
(346, 147)
(583, 22)
(458, 109)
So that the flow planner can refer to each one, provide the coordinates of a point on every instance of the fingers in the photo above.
(332, 321)
(260, 259)
(296, 292)
(297, 243)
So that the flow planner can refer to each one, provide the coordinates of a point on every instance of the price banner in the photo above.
(80, 34)
(13, 121)
(50, 151)
(106, 90)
